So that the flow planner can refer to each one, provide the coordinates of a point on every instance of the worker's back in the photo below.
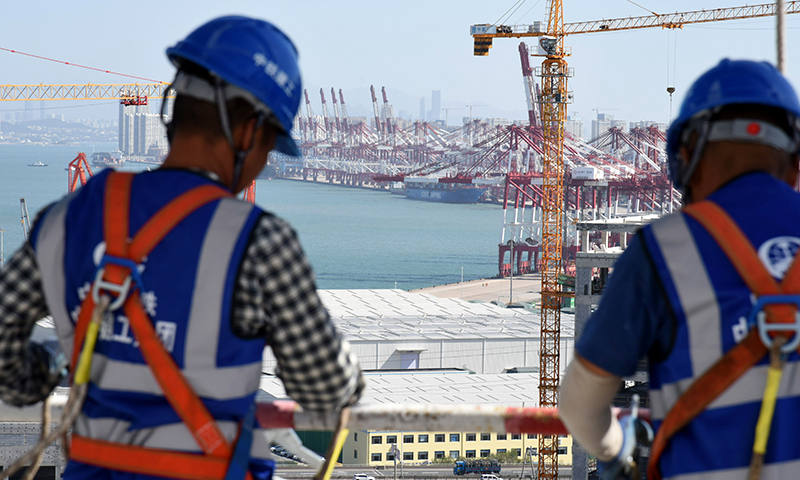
(186, 288)
(711, 305)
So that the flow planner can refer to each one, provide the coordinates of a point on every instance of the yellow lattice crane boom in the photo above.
(484, 33)
(128, 93)
(554, 73)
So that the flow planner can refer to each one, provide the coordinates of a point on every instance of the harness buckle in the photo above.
(759, 318)
(123, 290)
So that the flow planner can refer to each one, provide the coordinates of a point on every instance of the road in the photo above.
(526, 288)
(427, 472)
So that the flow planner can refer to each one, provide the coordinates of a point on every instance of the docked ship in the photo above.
(397, 188)
(433, 191)
(105, 159)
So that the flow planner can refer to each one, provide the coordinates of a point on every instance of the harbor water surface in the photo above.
(354, 238)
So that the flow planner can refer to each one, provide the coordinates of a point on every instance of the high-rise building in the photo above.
(422, 109)
(574, 126)
(436, 104)
(139, 130)
(604, 122)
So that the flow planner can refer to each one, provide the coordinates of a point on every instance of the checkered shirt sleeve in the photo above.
(276, 297)
(25, 376)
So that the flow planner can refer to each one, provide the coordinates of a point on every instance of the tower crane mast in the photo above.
(555, 95)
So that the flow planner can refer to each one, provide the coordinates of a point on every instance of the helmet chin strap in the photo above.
(222, 110)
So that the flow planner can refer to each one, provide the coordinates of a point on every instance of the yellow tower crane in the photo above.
(554, 73)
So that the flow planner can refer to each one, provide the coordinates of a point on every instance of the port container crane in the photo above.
(555, 96)
(78, 170)
(336, 114)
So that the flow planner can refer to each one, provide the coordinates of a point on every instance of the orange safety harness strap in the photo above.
(746, 353)
(147, 461)
(176, 388)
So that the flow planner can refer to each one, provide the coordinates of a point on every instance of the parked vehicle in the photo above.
(488, 466)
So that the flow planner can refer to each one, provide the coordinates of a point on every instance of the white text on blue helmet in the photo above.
(279, 76)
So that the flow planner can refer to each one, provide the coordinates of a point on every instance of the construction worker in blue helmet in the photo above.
(709, 296)
(165, 289)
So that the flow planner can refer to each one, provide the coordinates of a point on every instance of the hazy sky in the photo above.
(409, 46)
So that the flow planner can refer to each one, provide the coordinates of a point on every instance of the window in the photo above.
(486, 437)
(390, 457)
(438, 454)
(531, 435)
(377, 440)
(517, 452)
(422, 455)
(501, 450)
(376, 457)
(455, 437)
(470, 437)
(355, 436)
(501, 436)
(531, 451)
(422, 438)
(355, 453)
(408, 455)
(408, 438)
(516, 436)
(391, 438)
(484, 453)
(439, 437)
(455, 453)
(562, 450)
(470, 454)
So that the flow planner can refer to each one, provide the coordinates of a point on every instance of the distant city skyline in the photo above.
(411, 48)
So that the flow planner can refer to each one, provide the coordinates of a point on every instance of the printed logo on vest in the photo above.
(777, 254)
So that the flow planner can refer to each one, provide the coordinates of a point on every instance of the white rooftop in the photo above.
(434, 387)
(374, 315)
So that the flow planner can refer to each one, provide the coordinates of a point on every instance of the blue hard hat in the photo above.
(730, 82)
(255, 56)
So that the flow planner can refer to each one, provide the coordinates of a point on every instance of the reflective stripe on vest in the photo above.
(50, 257)
(694, 288)
(174, 436)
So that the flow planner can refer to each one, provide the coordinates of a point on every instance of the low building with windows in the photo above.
(456, 387)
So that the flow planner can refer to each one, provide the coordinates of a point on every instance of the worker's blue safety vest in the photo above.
(187, 285)
(711, 306)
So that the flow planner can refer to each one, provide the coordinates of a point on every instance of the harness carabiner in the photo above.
(123, 290)
(758, 318)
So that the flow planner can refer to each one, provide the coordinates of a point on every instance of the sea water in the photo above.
(354, 238)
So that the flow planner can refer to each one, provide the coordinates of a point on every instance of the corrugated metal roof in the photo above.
(439, 388)
(375, 315)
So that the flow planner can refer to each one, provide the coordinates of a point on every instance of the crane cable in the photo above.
(508, 13)
(781, 32)
(82, 66)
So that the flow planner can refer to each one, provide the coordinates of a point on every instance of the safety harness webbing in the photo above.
(731, 366)
(177, 390)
